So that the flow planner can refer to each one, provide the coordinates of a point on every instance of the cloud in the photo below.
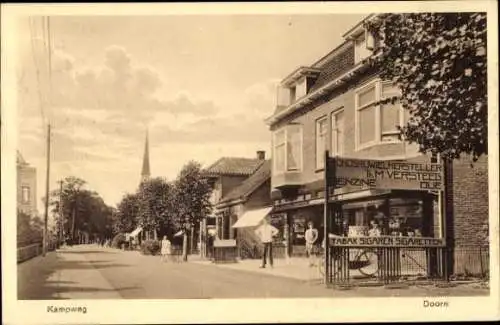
(100, 114)
(260, 98)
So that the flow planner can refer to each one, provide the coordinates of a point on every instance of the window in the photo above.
(25, 194)
(279, 151)
(293, 147)
(377, 123)
(287, 154)
(390, 114)
(338, 133)
(321, 134)
(292, 94)
(361, 48)
(367, 114)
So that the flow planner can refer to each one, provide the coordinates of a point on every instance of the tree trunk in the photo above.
(184, 246)
(73, 224)
(191, 242)
(155, 234)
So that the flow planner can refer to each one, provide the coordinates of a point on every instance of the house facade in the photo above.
(26, 187)
(245, 206)
(224, 176)
(333, 105)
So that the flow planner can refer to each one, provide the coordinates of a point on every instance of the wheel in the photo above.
(367, 263)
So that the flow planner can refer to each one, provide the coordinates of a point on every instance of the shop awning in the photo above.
(252, 218)
(136, 232)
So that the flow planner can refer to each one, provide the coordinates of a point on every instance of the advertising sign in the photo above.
(382, 174)
(387, 241)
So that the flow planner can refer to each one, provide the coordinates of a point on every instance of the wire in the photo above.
(33, 52)
(49, 54)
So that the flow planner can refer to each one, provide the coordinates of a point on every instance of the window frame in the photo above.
(378, 84)
(25, 189)
(401, 115)
(319, 161)
(334, 127)
(300, 163)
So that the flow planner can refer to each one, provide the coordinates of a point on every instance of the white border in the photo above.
(238, 310)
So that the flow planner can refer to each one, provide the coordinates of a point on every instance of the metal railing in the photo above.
(395, 264)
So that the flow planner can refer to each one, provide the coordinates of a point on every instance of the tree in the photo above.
(438, 60)
(127, 213)
(82, 210)
(192, 200)
(155, 207)
(29, 230)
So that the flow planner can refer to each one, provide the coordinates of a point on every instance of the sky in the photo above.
(201, 85)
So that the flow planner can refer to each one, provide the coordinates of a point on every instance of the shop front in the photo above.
(394, 234)
(396, 213)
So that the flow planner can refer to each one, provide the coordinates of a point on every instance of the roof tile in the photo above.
(234, 166)
(248, 186)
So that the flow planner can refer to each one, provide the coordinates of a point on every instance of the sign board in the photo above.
(387, 174)
(225, 243)
(387, 241)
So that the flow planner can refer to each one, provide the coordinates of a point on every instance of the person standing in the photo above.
(266, 232)
(374, 230)
(166, 249)
(311, 237)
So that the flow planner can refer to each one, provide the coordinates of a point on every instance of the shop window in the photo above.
(298, 231)
(288, 149)
(279, 221)
(321, 134)
(338, 133)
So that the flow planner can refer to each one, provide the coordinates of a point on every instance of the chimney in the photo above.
(261, 155)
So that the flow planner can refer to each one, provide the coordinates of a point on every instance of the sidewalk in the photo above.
(299, 269)
(294, 268)
(63, 274)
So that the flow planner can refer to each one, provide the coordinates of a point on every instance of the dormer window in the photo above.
(296, 85)
(293, 94)
(363, 46)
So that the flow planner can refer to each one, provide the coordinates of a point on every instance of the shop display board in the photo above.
(386, 174)
(387, 241)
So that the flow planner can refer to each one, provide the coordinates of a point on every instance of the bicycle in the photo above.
(363, 261)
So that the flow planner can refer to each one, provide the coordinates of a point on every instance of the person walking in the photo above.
(311, 237)
(166, 248)
(266, 232)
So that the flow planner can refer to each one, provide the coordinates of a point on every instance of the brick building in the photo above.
(332, 105)
(26, 186)
(224, 176)
(245, 206)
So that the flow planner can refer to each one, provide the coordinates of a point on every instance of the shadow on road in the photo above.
(87, 265)
(36, 281)
(87, 252)
(55, 292)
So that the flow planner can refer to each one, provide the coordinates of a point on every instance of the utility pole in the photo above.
(47, 189)
(61, 214)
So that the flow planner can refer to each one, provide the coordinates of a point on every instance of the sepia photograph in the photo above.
(205, 155)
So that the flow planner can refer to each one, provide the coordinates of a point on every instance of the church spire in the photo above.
(146, 173)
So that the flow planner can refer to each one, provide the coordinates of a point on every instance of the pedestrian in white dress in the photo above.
(166, 248)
